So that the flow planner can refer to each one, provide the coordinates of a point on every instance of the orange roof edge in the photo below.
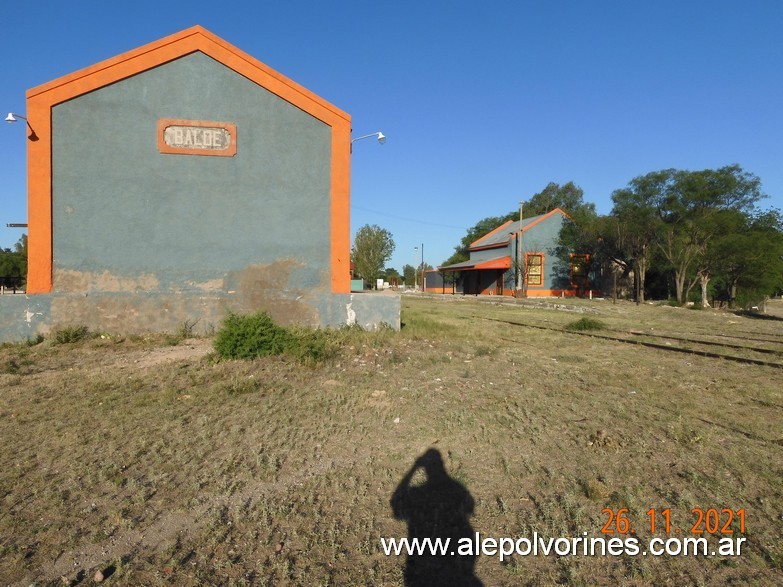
(544, 217)
(203, 39)
(491, 232)
(502, 263)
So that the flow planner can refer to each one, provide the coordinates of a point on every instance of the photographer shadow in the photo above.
(437, 509)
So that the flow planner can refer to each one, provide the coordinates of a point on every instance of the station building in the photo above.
(515, 254)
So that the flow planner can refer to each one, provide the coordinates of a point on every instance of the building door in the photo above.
(499, 282)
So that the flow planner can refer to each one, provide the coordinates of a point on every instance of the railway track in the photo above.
(664, 346)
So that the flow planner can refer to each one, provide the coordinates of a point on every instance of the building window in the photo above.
(535, 268)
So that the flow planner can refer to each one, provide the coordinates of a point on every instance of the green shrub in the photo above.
(251, 336)
(585, 324)
(310, 346)
(70, 334)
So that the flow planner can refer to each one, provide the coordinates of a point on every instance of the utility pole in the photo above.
(520, 257)
(422, 268)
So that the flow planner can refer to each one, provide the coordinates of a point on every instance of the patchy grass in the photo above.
(165, 465)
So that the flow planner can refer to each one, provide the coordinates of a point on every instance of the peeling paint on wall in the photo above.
(268, 287)
(67, 280)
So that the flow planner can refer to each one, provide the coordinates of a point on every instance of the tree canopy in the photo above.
(372, 248)
(13, 264)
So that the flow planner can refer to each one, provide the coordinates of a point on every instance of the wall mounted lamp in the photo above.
(380, 135)
(11, 118)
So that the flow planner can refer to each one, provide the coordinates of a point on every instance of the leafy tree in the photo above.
(689, 203)
(390, 275)
(633, 227)
(372, 248)
(679, 213)
(409, 272)
(568, 197)
(13, 264)
(749, 258)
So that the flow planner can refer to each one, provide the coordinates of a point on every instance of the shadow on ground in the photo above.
(439, 508)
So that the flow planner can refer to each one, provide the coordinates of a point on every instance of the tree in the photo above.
(409, 274)
(689, 204)
(679, 213)
(13, 264)
(633, 227)
(391, 276)
(372, 248)
(567, 197)
(749, 258)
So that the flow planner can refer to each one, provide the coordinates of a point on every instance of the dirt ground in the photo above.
(775, 308)
(152, 462)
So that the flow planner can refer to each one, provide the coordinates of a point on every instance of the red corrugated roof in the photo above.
(496, 263)
(501, 263)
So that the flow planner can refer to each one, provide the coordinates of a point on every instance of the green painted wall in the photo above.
(130, 217)
(146, 241)
(543, 238)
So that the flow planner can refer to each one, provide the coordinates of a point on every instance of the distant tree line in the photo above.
(675, 234)
(13, 265)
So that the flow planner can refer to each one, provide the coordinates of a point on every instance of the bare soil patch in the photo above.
(156, 463)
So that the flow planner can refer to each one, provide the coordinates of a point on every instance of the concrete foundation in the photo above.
(23, 317)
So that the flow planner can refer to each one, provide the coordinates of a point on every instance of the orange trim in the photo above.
(41, 100)
(229, 151)
(488, 247)
(544, 217)
(340, 206)
(39, 200)
(549, 214)
(490, 233)
(504, 263)
(537, 293)
(550, 293)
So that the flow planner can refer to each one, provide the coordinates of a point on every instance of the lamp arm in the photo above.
(372, 134)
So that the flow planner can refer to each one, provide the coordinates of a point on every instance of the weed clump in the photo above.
(70, 334)
(257, 335)
(585, 324)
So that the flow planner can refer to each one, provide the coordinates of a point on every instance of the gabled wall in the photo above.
(126, 235)
(127, 217)
(42, 101)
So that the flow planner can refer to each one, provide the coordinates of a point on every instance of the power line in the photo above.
(416, 220)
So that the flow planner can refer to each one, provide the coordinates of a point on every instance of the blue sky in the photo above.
(483, 103)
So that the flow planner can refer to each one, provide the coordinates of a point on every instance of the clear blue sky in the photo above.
(483, 103)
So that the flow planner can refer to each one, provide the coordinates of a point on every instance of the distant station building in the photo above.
(517, 258)
(182, 180)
